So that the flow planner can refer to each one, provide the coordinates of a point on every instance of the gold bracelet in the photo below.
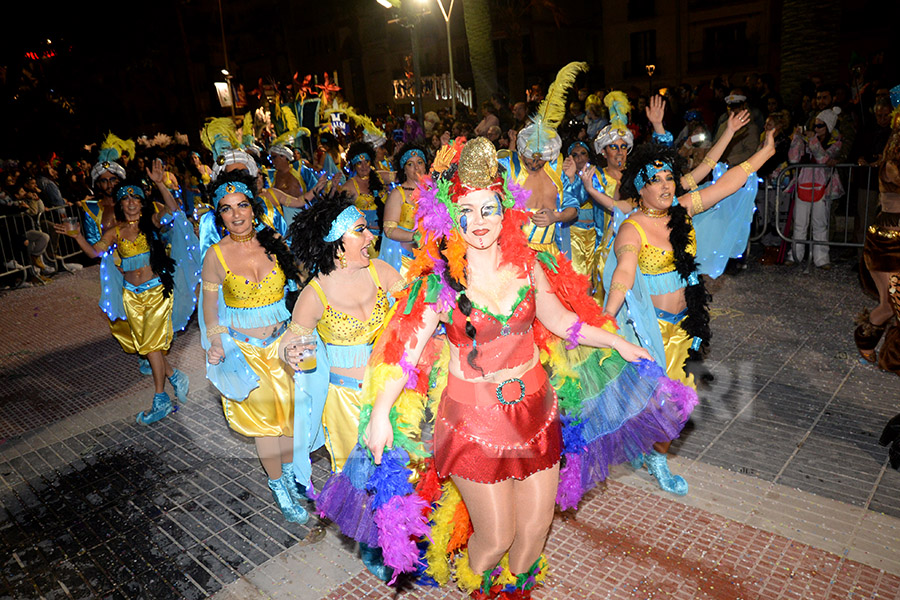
(397, 287)
(209, 286)
(215, 330)
(300, 329)
(709, 162)
(102, 246)
(748, 168)
(696, 203)
(618, 285)
(627, 248)
(692, 183)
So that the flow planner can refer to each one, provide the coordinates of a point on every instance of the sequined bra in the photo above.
(658, 265)
(407, 212)
(348, 340)
(502, 341)
(253, 303)
(134, 254)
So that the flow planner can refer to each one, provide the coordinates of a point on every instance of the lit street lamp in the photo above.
(651, 69)
(447, 14)
(228, 78)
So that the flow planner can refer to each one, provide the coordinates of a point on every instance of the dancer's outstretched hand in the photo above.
(379, 435)
(631, 352)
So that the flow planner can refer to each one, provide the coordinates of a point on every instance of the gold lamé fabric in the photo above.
(340, 420)
(269, 409)
(676, 342)
(149, 322)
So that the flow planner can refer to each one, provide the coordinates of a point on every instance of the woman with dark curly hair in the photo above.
(345, 302)
(658, 241)
(366, 187)
(148, 301)
(244, 316)
(400, 208)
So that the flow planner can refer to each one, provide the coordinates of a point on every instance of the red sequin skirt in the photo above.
(486, 432)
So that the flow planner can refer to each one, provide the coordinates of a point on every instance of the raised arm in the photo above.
(656, 110)
(157, 174)
(555, 317)
(699, 200)
(627, 247)
(734, 123)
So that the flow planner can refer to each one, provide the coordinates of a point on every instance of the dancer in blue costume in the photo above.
(243, 317)
(400, 209)
(151, 292)
(660, 252)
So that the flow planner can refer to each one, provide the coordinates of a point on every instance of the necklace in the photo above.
(240, 239)
(134, 223)
(654, 213)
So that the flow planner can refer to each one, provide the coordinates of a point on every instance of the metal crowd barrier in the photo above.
(844, 230)
(13, 252)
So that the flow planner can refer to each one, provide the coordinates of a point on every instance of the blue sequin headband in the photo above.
(359, 157)
(343, 222)
(231, 187)
(409, 154)
(647, 173)
(578, 143)
(130, 190)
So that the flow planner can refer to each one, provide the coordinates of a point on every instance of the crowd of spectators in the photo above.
(855, 131)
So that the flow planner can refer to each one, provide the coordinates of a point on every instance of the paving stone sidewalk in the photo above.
(94, 505)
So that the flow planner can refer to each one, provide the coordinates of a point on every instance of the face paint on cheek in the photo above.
(464, 224)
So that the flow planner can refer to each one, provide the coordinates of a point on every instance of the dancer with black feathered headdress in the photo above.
(656, 250)
(345, 304)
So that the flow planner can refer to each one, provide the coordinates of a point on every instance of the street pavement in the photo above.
(791, 496)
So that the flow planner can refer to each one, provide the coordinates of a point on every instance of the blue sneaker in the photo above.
(162, 408)
(144, 366)
(291, 512)
(181, 383)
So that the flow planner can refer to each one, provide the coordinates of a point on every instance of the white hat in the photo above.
(610, 135)
(829, 116)
(281, 150)
(230, 157)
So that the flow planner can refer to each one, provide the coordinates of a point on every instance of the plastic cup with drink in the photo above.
(71, 224)
(306, 344)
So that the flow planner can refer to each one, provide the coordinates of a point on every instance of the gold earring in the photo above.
(342, 260)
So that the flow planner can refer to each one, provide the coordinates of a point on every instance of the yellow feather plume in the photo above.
(466, 579)
(287, 116)
(553, 108)
(248, 124)
(122, 146)
(223, 127)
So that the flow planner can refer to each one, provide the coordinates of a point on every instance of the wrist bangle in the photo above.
(299, 329)
(209, 286)
(692, 183)
(748, 168)
(696, 203)
(709, 162)
(215, 330)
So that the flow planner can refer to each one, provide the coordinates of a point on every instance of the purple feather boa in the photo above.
(574, 335)
(570, 491)
(400, 525)
(435, 215)
(349, 508)
(410, 371)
